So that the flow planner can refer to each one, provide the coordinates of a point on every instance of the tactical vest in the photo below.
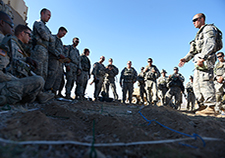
(128, 75)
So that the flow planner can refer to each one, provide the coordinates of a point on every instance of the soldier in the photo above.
(127, 79)
(98, 73)
(42, 39)
(6, 9)
(141, 84)
(74, 67)
(162, 86)
(109, 79)
(6, 25)
(175, 84)
(151, 74)
(203, 49)
(190, 94)
(219, 80)
(54, 66)
(83, 78)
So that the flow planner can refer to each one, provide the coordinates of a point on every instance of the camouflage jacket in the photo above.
(74, 55)
(110, 74)
(149, 75)
(189, 87)
(57, 46)
(85, 63)
(128, 75)
(162, 82)
(98, 70)
(140, 78)
(219, 69)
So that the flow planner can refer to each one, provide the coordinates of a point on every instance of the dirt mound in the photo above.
(107, 122)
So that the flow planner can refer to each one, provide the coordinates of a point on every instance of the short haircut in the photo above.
(75, 39)
(149, 59)
(62, 29)
(43, 10)
(202, 15)
(220, 53)
(20, 28)
(4, 16)
(86, 50)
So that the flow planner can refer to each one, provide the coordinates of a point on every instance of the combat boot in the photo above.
(3, 100)
(206, 112)
(44, 97)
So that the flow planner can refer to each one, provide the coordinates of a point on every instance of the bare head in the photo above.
(110, 61)
(199, 20)
(45, 15)
(61, 32)
(102, 59)
(23, 33)
(129, 64)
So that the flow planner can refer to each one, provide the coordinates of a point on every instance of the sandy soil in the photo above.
(76, 126)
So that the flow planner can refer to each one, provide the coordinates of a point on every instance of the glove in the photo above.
(67, 68)
(32, 62)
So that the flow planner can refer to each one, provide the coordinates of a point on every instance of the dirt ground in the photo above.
(109, 129)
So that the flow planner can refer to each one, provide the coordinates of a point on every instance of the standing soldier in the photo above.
(83, 78)
(203, 49)
(74, 67)
(190, 94)
(219, 80)
(42, 39)
(175, 84)
(98, 73)
(141, 84)
(54, 66)
(127, 79)
(111, 72)
(151, 74)
(162, 86)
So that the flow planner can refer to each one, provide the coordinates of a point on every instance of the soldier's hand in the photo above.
(182, 62)
(78, 72)
(220, 79)
(200, 62)
(67, 68)
(61, 56)
(31, 62)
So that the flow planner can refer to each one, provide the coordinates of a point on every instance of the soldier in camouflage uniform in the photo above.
(43, 40)
(74, 67)
(98, 73)
(141, 84)
(151, 74)
(190, 94)
(6, 25)
(127, 79)
(54, 66)
(219, 80)
(6, 9)
(175, 84)
(109, 79)
(162, 86)
(83, 78)
(203, 49)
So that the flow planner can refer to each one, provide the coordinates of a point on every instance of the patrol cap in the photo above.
(191, 77)
(163, 71)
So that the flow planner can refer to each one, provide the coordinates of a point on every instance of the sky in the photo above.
(130, 29)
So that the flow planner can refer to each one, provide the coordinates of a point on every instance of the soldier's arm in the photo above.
(157, 73)
(40, 28)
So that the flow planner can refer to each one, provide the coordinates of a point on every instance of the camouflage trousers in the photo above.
(176, 92)
(98, 86)
(190, 100)
(59, 81)
(53, 70)
(152, 91)
(128, 87)
(220, 89)
(204, 87)
(105, 88)
(40, 55)
(162, 95)
(71, 77)
(142, 92)
(25, 89)
(82, 81)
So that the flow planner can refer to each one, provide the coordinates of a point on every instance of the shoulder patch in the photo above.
(3, 52)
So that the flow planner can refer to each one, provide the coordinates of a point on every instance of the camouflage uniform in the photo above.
(129, 77)
(15, 89)
(150, 83)
(203, 47)
(83, 78)
(141, 84)
(54, 67)
(175, 84)
(1, 36)
(190, 96)
(71, 76)
(43, 38)
(99, 73)
(162, 88)
(110, 80)
(5, 8)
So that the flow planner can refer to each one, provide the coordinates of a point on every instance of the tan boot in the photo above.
(3, 100)
(206, 112)
(43, 97)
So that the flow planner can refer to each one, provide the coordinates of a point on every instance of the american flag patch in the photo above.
(20, 51)
(3, 52)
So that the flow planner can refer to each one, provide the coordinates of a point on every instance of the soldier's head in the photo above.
(6, 24)
(175, 69)
(75, 41)
(142, 69)
(86, 52)
(102, 59)
(110, 61)
(199, 20)
(45, 15)
(150, 61)
(129, 64)
(62, 32)
(220, 56)
(23, 33)
(163, 72)
(191, 78)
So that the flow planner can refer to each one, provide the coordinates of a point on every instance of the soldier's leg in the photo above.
(177, 96)
(168, 96)
(130, 92)
(124, 90)
(148, 91)
(86, 77)
(58, 79)
(113, 86)
(78, 89)
(154, 92)
(70, 78)
(98, 87)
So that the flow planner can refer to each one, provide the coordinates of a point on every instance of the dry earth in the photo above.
(74, 126)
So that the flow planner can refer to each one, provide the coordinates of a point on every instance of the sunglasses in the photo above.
(149, 61)
(196, 19)
(219, 56)
(10, 24)
(27, 33)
